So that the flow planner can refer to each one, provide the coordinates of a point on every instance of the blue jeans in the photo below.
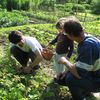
(79, 88)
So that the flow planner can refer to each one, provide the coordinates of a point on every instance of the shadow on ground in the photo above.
(55, 92)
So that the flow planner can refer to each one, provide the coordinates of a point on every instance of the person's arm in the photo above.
(71, 47)
(38, 58)
(54, 40)
(71, 67)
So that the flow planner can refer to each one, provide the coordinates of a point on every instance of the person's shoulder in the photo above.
(29, 38)
(91, 39)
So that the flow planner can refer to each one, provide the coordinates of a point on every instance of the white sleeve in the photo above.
(34, 44)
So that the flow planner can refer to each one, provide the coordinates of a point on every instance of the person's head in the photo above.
(15, 37)
(60, 24)
(72, 27)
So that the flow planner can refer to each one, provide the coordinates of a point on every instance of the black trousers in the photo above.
(21, 56)
(80, 88)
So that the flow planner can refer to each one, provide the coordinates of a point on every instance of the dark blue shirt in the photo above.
(89, 54)
(64, 44)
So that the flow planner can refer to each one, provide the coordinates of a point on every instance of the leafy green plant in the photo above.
(78, 8)
(96, 6)
(29, 87)
(12, 19)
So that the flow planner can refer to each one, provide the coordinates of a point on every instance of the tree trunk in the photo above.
(9, 5)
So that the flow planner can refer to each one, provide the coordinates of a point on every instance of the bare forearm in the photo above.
(36, 62)
(72, 68)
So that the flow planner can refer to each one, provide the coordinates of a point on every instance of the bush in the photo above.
(12, 19)
(98, 18)
(60, 7)
(96, 6)
(68, 7)
(87, 6)
(79, 8)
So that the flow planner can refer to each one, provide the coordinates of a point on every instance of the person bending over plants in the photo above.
(24, 49)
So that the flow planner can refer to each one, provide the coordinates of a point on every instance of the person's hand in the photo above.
(49, 46)
(61, 75)
(27, 70)
(62, 60)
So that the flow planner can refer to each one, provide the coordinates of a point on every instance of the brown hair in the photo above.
(60, 23)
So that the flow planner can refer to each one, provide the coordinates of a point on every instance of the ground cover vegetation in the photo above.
(37, 18)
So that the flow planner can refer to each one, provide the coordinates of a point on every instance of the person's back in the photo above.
(91, 47)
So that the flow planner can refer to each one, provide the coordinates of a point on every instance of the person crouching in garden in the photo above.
(24, 48)
(83, 76)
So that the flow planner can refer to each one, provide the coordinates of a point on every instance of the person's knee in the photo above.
(12, 50)
(15, 51)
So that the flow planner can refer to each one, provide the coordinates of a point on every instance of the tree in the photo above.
(37, 3)
(3, 3)
(96, 6)
(9, 5)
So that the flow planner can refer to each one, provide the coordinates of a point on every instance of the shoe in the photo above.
(84, 99)
(55, 80)
(90, 96)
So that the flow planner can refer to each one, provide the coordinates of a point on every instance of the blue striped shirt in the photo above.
(89, 54)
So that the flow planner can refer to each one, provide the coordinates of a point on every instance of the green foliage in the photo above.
(29, 87)
(69, 5)
(80, 1)
(45, 16)
(48, 5)
(92, 27)
(78, 8)
(36, 4)
(25, 4)
(87, 6)
(96, 6)
(3, 3)
(60, 7)
(12, 19)
(18, 4)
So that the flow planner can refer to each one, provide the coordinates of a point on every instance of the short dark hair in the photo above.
(72, 26)
(15, 37)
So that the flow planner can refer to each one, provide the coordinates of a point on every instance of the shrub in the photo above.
(79, 8)
(60, 7)
(96, 6)
(87, 6)
(12, 19)
(68, 7)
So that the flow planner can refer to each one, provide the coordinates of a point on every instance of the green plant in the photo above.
(12, 19)
(96, 6)
(78, 8)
